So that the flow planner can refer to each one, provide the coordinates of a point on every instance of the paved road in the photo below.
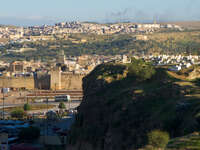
(71, 104)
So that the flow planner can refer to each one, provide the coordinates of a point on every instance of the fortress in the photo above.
(26, 75)
(55, 80)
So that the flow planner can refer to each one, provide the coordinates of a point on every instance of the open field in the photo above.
(188, 24)
(3, 40)
(176, 36)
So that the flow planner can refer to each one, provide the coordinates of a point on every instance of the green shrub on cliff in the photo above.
(140, 70)
(158, 139)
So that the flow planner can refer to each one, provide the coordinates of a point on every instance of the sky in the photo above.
(39, 12)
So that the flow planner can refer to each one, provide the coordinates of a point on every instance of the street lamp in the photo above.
(4, 90)
(68, 99)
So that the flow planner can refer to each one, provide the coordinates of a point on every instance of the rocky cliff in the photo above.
(122, 103)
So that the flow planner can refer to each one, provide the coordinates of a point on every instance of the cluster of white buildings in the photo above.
(8, 33)
(77, 27)
(86, 63)
(177, 62)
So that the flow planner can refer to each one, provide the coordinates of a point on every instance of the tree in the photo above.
(61, 105)
(27, 107)
(30, 133)
(18, 113)
(158, 139)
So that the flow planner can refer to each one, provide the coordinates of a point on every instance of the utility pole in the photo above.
(3, 90)
(69, 100)
(46, 124)
(3, 103)
(55, 91)
(24, 87)
(47, 101)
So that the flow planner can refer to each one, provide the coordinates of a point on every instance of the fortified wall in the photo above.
(44, 81)
(17, 82)
(71, 81)
(55, 83)
(62, 80)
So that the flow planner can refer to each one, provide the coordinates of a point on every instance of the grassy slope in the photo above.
(188, 142)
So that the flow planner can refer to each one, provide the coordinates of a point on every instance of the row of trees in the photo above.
(21, 113)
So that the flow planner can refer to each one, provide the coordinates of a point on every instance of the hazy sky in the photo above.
(32, 12)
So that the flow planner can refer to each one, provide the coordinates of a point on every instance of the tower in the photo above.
(56, 78)
(61, 57)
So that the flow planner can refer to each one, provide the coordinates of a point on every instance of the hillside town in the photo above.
(47, 94)
(70, 64)
(100, 75)
(47, 32)
(86, 63)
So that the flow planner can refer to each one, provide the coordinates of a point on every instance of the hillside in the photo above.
(123, 103)
(171, 42)
(190, 73)
(188, 142)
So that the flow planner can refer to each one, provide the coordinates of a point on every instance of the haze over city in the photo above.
(37, 12)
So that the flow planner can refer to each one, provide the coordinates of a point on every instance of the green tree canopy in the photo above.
(18, 113)
(61, 105)
(140, 70)
(27, 107)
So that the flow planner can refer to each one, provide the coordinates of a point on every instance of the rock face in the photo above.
(118, 110)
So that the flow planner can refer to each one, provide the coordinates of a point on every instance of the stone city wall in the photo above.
(68, 82)
(71, 81)
(17, 82)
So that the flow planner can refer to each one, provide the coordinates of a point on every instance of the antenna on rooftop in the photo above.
(154, 20)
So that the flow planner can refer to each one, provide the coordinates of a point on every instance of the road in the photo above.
(62, 125)
(71, 104)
